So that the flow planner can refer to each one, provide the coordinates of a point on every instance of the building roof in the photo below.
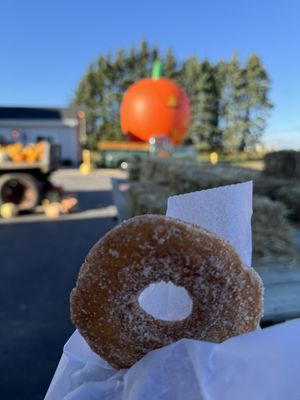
(37, 113)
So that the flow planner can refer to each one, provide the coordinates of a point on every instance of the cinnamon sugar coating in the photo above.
(227, 295)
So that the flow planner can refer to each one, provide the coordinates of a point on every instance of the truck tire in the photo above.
(20, 189)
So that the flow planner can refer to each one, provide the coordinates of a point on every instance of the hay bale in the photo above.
(268, 186)
(152, 169)
(186, 175)
(271, 233)
(147, 198)
(161, 178)
(284, 163)
(290, 196)
(202, 176)
(284, 190)
(134, 168)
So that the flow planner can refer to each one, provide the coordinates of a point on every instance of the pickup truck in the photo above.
(117, 154)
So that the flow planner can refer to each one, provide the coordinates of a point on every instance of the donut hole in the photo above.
(166, 301)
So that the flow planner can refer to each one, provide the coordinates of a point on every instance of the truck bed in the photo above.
(50, 162)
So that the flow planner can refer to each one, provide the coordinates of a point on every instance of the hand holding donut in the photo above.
(226, 295)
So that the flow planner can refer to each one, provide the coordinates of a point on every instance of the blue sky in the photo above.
(46, 46)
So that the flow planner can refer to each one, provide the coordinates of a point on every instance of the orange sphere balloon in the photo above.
(152, 107)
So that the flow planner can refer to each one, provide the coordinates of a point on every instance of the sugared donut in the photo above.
(226, 295)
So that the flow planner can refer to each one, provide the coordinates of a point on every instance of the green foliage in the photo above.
(209, 99)
(189, 79)
(229, 102)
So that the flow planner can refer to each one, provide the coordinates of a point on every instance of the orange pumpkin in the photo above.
(155, 106)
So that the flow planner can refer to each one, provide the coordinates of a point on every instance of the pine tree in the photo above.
(190, 79)
(256, 103)
(209, 102)
(85, 98)
(143, 61)
(154, 54)
(244, 103)
(232, 92)
(170, 65)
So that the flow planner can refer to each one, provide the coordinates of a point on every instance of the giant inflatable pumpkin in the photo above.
(155, 106)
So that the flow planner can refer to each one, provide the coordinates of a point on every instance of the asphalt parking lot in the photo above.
(39, 261)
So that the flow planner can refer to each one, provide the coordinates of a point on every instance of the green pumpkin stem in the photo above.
(157, 69)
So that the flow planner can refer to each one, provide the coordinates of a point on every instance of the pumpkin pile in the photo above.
(18, 153)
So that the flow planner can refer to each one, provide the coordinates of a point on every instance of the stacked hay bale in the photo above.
(185, 175)
(284, 164)
(271, 233)
(154, 180)
(281, 180)
(147, 197)
(289, 195)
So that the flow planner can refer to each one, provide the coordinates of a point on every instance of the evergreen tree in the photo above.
(244, 103)
(232, 89)
(209, 102)
(130, 69)
(85, 98)
(144, 66)
(256, 102)
(154, 54)
(189, 77)
(170, 65)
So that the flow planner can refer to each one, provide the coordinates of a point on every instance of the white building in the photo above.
(59, 125)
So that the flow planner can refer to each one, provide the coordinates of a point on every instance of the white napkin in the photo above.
(263, 365)
(226, 211)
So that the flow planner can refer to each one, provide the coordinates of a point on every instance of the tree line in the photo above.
(229, 101)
